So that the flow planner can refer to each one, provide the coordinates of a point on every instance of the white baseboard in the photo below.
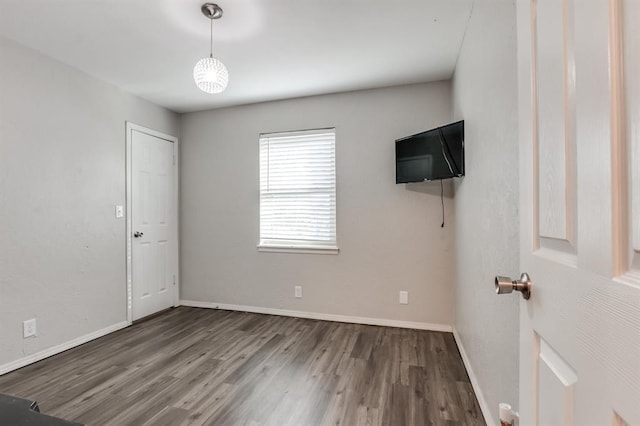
(30, 359)
(486, 411)
(320, 316)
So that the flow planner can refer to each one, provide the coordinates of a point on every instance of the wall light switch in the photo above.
(404, 297)
(119, 211)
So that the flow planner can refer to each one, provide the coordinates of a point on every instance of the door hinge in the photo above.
(174, 158)
(174, 280)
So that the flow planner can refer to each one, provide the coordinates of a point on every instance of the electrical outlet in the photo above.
(298, 291)
(404, 297)
(29, 328)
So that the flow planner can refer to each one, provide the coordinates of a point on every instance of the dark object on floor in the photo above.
(18, 411)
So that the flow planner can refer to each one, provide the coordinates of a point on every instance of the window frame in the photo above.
(297, 246)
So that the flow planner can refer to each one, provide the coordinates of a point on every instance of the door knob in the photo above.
(137, 234)
(507, 285)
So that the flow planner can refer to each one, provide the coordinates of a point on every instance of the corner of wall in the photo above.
(487, 219)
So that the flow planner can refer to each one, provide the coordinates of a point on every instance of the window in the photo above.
(298, 191)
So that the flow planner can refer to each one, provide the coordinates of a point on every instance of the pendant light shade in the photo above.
(210, 74)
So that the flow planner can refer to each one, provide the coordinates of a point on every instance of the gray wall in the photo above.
(62, 171)
(389, 235)
(487, 243)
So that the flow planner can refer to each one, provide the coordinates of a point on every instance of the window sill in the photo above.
(276, 248)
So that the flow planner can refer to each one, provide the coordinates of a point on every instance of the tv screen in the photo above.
(432, 155)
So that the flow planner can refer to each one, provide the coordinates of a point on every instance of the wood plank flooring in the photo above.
(193, 366)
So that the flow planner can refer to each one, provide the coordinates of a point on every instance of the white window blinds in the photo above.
(298, 189)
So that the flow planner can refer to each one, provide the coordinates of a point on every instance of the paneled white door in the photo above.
(153, 224)
(579, 99)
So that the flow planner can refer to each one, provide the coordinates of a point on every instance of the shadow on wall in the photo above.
(432, 188)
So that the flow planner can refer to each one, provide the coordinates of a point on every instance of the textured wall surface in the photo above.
(389, 235)
(62, 171)
(486, 215)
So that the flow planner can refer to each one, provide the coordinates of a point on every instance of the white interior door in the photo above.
(153, 228)
(579, 98)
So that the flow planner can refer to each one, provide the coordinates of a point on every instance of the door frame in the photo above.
(130, 128)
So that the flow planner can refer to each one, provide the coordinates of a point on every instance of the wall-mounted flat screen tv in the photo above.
(432, 155)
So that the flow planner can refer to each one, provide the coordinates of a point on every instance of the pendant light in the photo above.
(210, 74)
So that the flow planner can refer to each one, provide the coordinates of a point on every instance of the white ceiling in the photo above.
(273, 49)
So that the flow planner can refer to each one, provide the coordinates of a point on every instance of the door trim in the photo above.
(130, 127)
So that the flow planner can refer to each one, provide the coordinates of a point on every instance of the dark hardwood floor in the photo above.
(203, 366)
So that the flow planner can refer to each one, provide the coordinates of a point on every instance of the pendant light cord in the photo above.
(211, 39)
